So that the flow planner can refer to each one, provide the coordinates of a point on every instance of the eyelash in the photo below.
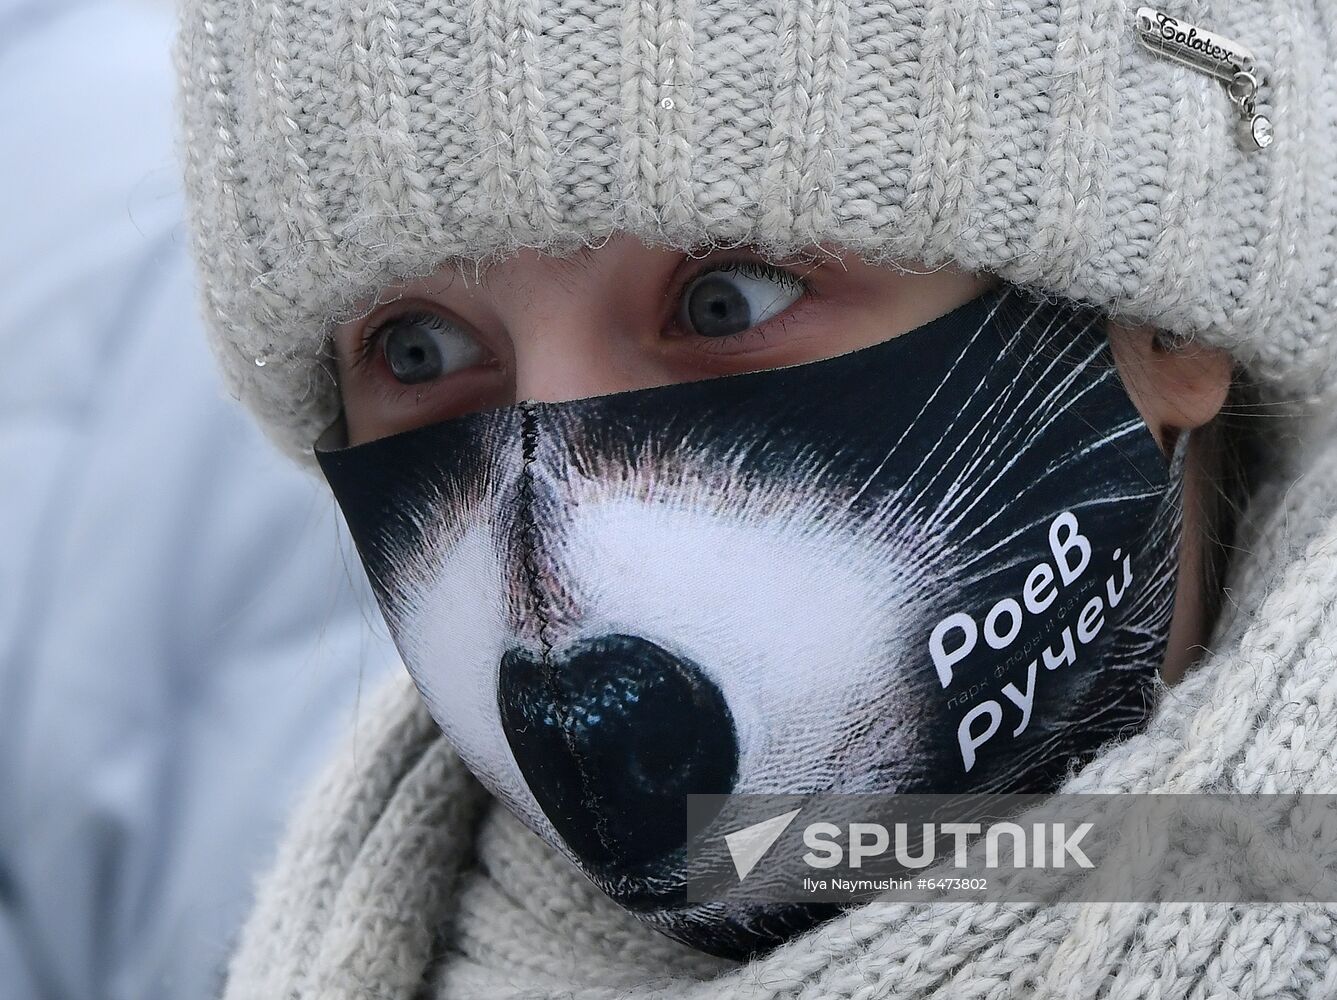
(370, 338)
(753, 269)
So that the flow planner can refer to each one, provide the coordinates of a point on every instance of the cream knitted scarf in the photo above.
(401, 879)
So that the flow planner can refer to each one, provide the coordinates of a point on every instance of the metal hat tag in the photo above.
(1215, 55)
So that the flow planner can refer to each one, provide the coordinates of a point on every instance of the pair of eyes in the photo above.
(421, 345)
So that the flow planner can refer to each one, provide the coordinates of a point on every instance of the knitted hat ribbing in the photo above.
(335, 147)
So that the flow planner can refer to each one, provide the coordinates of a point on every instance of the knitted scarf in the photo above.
(401, 879)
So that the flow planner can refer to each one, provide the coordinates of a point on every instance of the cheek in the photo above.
(376, 405)
(356, 415)
(359, 430)
(362, 416)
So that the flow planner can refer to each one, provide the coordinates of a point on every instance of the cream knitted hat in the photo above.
(333, 147)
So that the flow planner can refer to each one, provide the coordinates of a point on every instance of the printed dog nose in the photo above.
(611, 735)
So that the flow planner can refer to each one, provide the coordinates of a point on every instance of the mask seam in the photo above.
(529, 440)
(529, 533)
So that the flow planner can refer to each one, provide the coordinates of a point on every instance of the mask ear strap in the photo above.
(1172, 503)
(335, 436)
(1178, 458)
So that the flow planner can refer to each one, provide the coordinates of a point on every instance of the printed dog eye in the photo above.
(784, 580)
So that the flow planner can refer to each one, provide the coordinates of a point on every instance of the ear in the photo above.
(1176, 385)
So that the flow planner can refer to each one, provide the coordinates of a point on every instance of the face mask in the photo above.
(944, 563)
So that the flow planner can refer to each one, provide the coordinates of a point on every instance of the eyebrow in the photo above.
(565, 266)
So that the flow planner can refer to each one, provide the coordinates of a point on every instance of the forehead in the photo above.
(567, 265)
(465, 273)
(465, 276)
(620, 248)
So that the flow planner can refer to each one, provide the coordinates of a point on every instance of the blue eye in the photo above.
(724, 301)
(421, 346)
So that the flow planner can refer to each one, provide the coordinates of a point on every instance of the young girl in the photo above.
(804, 399)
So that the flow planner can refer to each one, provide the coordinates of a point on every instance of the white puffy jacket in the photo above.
(179, 637)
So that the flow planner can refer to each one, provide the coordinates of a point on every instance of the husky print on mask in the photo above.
(944, 563)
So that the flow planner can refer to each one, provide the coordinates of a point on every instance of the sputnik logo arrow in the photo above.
(748, 845)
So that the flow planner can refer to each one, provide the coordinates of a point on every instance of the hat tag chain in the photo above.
(1217, 56)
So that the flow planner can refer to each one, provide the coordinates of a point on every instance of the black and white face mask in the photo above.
(943, 563)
